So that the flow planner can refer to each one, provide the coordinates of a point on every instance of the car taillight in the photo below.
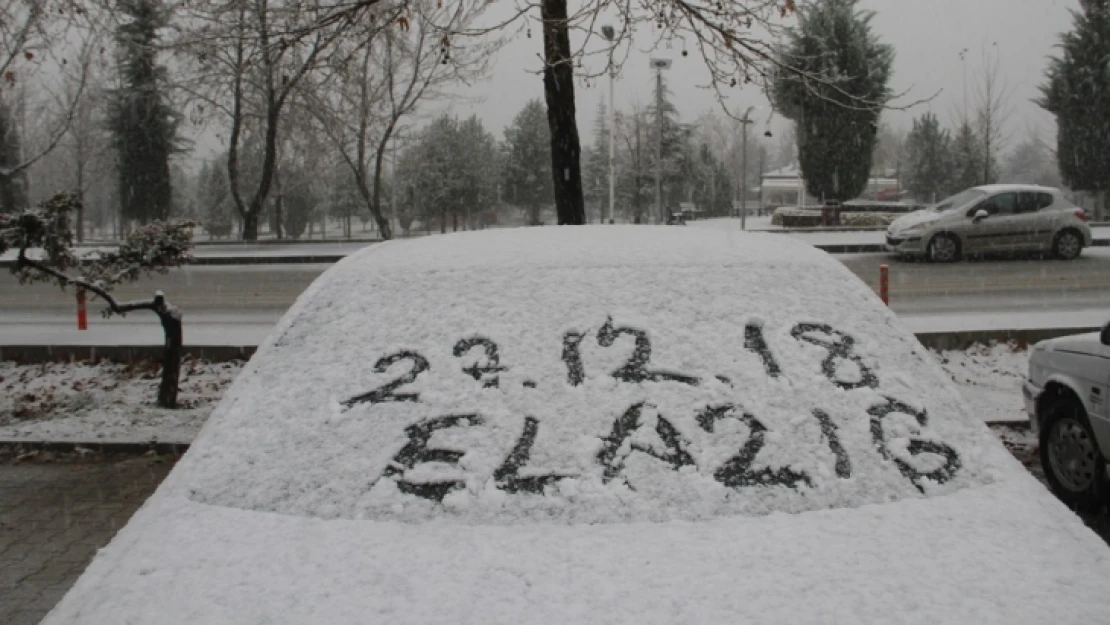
(1081, 214)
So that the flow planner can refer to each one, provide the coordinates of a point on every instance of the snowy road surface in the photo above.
(239, 304)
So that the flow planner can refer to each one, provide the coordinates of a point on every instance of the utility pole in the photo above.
(963, 65)
(747, 119)
(659, 65)
(609, 34)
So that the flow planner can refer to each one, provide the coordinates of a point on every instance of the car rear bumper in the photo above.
(1029, 393)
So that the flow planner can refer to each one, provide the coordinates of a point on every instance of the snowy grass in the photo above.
(989, 378)
(105, 402)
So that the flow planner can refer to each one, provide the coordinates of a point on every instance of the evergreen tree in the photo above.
(712, 192)
(214, 200)
(13, 185)
(928, 169)
(478, 161)
(142, 121)
(967, 159)
(1077, 93)
(297, 204)
(837, 116)
(678, 157)
(595, 175)
(528, 181)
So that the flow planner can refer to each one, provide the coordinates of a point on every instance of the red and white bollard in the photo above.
(884, 284)
(82, 315)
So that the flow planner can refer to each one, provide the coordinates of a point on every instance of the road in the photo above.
(238, 304)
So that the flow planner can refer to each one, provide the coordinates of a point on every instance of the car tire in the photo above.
(1073, 466)
(943, 248)
(1067, 245)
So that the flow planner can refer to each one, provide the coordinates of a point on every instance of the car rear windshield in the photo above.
(590, 394)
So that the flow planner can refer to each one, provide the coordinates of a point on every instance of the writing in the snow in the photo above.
(482, 362)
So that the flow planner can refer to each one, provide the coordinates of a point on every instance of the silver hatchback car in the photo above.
(993, 218)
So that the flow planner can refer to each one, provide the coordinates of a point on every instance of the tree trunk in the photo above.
(171, 352)
(249, 226)
(558, 87)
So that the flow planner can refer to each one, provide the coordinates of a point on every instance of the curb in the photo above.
(106, 449)
(127, 354)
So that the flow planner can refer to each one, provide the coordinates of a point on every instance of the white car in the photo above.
(993, 218)
(599, 424)
(1066, 399)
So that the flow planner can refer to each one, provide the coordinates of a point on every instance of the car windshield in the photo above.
(958, 201)
(628, 388)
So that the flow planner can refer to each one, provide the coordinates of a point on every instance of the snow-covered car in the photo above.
(1066, 400)
(993, 218)
(606, 424)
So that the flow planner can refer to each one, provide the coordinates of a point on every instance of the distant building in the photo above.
(785, 187)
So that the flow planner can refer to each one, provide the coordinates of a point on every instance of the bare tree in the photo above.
(993, 111)
(243, 46)
(39, 39)
(361, 105)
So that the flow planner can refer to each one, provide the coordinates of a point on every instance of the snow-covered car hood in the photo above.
(1005, 553)
(594, 424)
(1082, 343)
(915, 218)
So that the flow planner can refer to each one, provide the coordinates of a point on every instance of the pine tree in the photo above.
(528, 179)
(967, 159)
(1077, 93)
(928, 170)
(214, 200)
(595, 177)
(836, 117)
(142, 121)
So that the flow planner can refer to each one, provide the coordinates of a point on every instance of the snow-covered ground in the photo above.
(105, 402)
(989, 378)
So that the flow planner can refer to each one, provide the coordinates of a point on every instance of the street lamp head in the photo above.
(608, 32)
(660, 63)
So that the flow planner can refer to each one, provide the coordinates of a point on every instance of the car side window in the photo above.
(1005, 203)
(1027, 202)
(1001, 204)
(1044, 200)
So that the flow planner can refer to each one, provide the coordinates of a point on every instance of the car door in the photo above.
(1044, 221)
(1025, 223)
(988, 234)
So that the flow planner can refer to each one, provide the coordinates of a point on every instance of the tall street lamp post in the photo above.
(744, 121)
(659, 65)
(609, 34)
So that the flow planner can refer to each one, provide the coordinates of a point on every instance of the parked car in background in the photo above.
(594, 424)
(1066, 397)
(993, 218)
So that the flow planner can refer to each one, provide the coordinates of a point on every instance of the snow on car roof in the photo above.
(998, 188)
(595, 374)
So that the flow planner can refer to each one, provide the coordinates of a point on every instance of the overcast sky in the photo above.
(927, 35)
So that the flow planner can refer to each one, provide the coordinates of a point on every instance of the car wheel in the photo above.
(1072, 463)
(943, 248)
(1067, 245)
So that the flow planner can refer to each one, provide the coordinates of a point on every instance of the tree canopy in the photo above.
(835, 91)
